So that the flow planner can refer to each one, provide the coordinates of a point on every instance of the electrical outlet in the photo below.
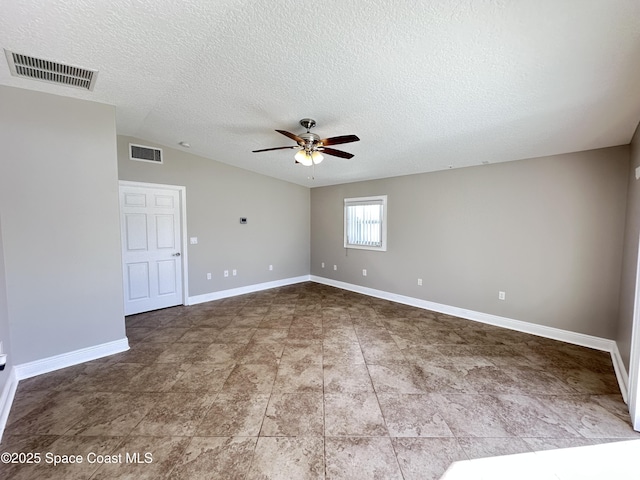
(335, 267)
(234, 272)
(364, 272)
(270, 267)
(322, 264)
(208, 276)
(226, 273)
(419, 282)
(501, 295)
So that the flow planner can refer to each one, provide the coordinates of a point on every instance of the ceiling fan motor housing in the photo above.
(311, 141)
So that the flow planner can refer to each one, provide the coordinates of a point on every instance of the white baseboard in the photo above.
(30, 369)
(621, 372)
(6, 399)
(553, 333)
(49, 364)
(208, 297)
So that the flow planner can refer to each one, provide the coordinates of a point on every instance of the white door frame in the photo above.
(634, 361)
(182, 192)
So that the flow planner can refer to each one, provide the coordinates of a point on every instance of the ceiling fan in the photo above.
(311, 147)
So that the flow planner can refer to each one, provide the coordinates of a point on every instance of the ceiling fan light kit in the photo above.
(311, 146)
(307, 159)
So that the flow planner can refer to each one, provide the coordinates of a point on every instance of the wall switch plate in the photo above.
(364, 272)
(234, 272)
(208, 276)
(419, 282)
(193, 240)
(226, 273)
(270, 267)
(501, 295)
(335, 267)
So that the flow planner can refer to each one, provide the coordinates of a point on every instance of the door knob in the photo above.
(176, 254)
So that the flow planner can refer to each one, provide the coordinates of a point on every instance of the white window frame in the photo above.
(372, 200)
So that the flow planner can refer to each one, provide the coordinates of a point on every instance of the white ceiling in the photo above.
(425, 84)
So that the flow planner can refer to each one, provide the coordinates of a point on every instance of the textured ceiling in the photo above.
(426, 85)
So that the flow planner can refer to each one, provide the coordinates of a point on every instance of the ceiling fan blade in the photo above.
(269, 149)
(292, 136)
(335, 153)
(339, 140)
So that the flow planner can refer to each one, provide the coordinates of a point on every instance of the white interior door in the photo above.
(150, 223)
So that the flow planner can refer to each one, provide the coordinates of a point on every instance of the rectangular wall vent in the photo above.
(145, 154)
(52, 72)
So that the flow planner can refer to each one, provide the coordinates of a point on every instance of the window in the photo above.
(365, 223)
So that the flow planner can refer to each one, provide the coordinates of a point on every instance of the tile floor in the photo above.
(309, 381)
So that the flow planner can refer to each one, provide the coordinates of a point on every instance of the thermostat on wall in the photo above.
(243, 220)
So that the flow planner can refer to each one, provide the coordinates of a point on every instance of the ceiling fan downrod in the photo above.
(308, 123)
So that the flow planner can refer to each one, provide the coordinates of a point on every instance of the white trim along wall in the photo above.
(208, 297)
(27, 370)
(46, 365)
(589, 341)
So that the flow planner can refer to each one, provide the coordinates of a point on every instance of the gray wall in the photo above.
(60, 223)
(547, 231)
(5, 333)
(277, 232)
(630, 261)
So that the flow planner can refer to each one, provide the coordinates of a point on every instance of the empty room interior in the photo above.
(342, 240)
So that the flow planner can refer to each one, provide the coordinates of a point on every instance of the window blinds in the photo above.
(364, 222)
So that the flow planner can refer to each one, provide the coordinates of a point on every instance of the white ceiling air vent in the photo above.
(145, 154)
(52, 72)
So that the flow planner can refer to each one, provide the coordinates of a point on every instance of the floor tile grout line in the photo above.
(375, 392)
(324, 413)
